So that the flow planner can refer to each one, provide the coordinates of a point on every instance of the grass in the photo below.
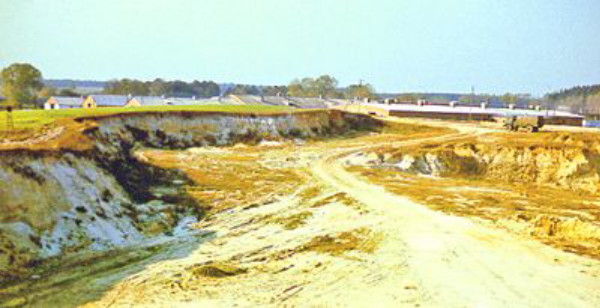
(361, 240)
(217, 270)
(34, 120)
(291, 222)
(227, 179)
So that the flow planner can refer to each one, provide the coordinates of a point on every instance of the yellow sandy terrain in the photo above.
(294, 224)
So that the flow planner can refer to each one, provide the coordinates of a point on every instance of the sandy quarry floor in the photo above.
(326, 239)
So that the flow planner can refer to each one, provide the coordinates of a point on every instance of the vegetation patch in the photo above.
(309, 194)
(361, 240)
(215, 270)
(227, 179)
(291, 222)
(342, 198)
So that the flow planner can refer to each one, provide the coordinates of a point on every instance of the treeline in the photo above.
(574, 91)
(243, 89)
(322, 86)
(327, 86)
(504, 100)
(583, 99)
(159, 87)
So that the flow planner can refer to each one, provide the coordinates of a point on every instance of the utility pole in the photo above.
(471, 102)
(10, 123)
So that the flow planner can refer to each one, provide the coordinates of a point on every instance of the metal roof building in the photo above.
(63, 102)
(137, 101)
(191, 101)
(96, 100)
(480, 113)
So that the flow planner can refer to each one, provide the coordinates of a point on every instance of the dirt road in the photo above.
(458, 263)
(340, 242)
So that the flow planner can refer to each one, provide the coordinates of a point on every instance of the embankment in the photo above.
(560, 160)
(64, 198)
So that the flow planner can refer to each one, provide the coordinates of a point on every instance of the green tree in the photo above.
(360, 91)
(46, 92)
(324, 85)
(410, 98)
(127, 86)
(205, 88)
(158, 87)
(509, 99)
(274, 90)
(242, 89)
(69, 92)
(295, 88)
(21, 83)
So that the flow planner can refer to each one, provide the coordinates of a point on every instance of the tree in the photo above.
(360, 91)
(127, 86)
(69, 92)
(324, 85)
(46, 92)
(295, 88)
(274, 90)
(579, 99)
(241, 89)
(21, 83)
(509, 99)
(205, 88)
(410, 98)
(158, 87)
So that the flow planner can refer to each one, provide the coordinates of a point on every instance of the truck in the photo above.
(530, 124)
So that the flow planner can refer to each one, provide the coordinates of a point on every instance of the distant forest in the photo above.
(177, 88)
(159, 87)
(325, 86)
(582, 99)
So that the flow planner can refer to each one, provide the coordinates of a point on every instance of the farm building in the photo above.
(94, 101)
(465, 113)
(299, 102)
(63, 102)
(258, 100)
(191, 101)
(246, 99)
(138, 101)
(308, 102)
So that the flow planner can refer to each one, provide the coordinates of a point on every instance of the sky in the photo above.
(497, 46)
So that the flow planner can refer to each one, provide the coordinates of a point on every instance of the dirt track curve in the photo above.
(457, 263)
(422, 258)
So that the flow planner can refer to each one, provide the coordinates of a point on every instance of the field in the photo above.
(34, 120)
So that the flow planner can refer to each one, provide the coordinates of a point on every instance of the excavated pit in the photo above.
(63, 200)
(546, 186)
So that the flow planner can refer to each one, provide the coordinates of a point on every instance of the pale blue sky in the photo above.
(425, 45)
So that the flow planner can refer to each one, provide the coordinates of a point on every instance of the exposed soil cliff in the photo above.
(100, 196)
(568, 161)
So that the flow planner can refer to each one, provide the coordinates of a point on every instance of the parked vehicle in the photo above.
(528, 124)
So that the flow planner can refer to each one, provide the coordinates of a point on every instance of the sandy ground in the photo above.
(341, 242)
